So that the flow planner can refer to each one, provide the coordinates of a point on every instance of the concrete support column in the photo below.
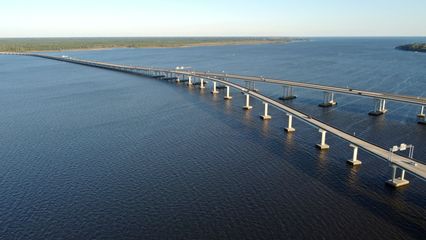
(397, 181)
(422, 112)
(250, 85)
(202, 83)
(287, 93)
(247, 106)
(189, 80)
(290, 128)
(265, 115)
(328, 100)
(215, 91)
(354, 161)
(227, 97)
(253, 86)
(380, 107)
(322, 145)
(393, 172)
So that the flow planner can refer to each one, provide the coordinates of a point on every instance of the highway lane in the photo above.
(387, 96)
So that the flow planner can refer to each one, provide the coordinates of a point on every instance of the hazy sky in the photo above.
(50, 18)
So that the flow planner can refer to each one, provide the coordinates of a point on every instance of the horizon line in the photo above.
(230, 36)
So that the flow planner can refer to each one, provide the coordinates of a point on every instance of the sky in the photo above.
(139, 18)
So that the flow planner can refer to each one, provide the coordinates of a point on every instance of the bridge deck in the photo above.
(388, 96)
(403, 162)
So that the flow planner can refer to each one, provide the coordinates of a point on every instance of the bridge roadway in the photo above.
(411, 165)
(386, 96)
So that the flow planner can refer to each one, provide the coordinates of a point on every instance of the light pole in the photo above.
(400, 148)
(399, 181)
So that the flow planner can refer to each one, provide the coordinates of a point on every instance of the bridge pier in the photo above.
(287, 93)
(322, 145)
(251, 85)
(227, 97)
(397, 181)
(290, 128)
(247, 106)
(202, 83)
(354, 161)
(189, 81)
(422, 112)
(328, 100)
(214, 91)
(265, 115)
(380, 107)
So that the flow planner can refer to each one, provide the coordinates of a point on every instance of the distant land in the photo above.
(61, 44)
(415, 47)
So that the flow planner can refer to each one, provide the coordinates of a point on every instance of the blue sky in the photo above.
(90, 18)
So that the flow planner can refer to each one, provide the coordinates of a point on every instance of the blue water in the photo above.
(87, 153)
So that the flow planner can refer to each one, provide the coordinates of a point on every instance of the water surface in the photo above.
(88, 153)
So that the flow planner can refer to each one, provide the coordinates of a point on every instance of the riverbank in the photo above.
(93, 44)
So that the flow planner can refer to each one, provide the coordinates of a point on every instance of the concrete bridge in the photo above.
(398, 163)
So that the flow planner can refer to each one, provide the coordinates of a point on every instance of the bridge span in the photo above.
(397, 162)
(287, 83)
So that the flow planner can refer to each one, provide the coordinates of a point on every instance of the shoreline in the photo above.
(413, 47)
(189, 45)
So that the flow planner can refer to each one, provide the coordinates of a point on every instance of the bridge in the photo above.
(397, 162)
